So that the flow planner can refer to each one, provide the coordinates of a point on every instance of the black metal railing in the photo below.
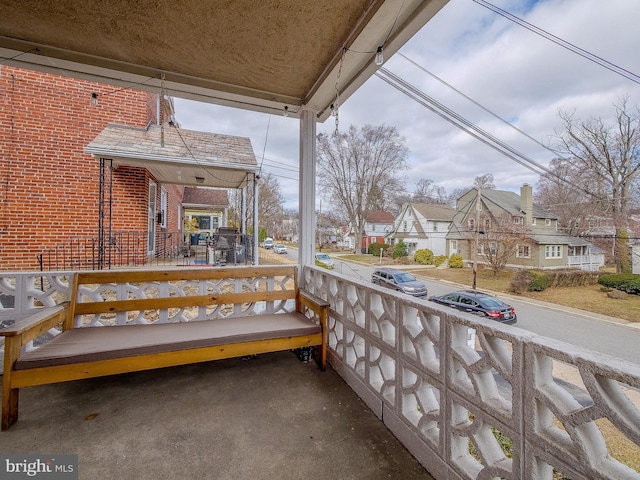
(130, 249)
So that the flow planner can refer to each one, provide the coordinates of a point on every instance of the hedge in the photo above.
(374, 248)
(626, 282)
(539, 280)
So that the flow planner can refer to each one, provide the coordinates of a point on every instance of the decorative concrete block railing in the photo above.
(517, 406)
(29, 291)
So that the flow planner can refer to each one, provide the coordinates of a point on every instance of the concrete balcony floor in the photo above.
(265, 417)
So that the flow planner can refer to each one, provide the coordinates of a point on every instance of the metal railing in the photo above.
(130, 249)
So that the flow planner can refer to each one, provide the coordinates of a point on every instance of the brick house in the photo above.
(376, 226)
(59, 186)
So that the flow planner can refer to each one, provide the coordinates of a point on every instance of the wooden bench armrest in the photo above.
(313, 302)
(37, 323)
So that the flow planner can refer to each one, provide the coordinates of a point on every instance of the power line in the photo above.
(469, 127)
(563, 43)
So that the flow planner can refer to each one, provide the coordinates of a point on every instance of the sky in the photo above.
(514, 73)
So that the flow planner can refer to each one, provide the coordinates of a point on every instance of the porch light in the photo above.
(199, 179)
(379, 56)
(94, 99)
(286, 111)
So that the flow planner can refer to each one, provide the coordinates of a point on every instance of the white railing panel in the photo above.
(512, 405)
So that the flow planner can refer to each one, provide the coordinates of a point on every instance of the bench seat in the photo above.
(92, 344)
(194, 315)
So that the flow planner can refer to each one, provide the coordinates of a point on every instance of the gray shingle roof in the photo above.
(179, 144)
(434, 211)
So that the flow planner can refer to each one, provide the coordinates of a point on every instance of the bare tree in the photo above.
(427, 192)
(565, 192)
(357, 169)
(498, 239)
(270, 205)
(484, 182)
(611, 153)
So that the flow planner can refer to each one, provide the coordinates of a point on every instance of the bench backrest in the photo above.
(239, 289)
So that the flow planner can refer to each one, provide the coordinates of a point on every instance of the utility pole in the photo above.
(477, 238)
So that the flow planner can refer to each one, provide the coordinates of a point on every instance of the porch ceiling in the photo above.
(259, 55)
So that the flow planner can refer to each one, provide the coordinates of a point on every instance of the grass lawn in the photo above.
(591, 298)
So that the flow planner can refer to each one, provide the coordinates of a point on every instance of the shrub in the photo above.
(399, 249)
(424, 257)
(520, 282)
(404, 261)
(455, 261)
(626, 282)
(539, 281)
(374, 248)
(439, 260)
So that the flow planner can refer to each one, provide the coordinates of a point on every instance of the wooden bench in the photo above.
(161, 318)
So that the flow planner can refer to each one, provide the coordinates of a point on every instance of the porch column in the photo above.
(307, 195)
(256, 253)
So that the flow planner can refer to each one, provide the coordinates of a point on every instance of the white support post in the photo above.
(256, 253)
(307, 196)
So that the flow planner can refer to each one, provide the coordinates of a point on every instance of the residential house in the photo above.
(423, 226)
(209, 206)
(543, 246)
(86, 168)
(376, 226)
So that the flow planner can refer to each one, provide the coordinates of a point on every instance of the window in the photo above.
(471, 223)
(547, 222)
(553, 251)
(523, 251)
(518, 220)
(533, 221)
(493, 248)
(487, 223)
(480, 249)
(163, 208)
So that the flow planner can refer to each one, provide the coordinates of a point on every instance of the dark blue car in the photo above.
(479, 303)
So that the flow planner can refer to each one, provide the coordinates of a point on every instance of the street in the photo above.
(582, 329)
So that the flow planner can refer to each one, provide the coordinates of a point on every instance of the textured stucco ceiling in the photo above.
(260, 54)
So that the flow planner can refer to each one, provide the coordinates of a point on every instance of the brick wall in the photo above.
(48, 185)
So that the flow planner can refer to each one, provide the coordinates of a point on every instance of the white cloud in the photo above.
(515, 73)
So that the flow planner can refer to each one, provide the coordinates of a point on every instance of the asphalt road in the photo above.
(578, 328)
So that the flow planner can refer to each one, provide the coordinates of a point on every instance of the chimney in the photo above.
(526, 203)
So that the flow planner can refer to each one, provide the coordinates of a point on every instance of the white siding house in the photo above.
(423, 225)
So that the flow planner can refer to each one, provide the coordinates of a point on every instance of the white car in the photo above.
(324, 260)
(279, 248)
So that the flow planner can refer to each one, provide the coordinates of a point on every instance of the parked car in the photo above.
(279, 248)
(324, 260)
(479, 303)
(399, 280)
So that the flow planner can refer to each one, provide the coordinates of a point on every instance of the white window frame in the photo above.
(552, 251)
(547, 222)
(163, 206)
